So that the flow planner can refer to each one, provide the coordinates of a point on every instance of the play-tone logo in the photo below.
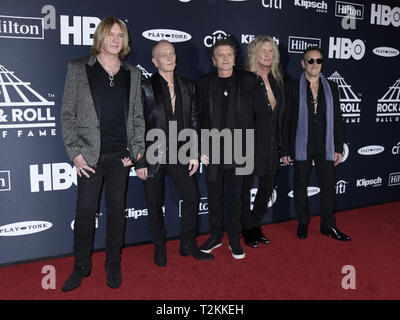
(23, 228)
(386, 52)
(370, 150)
(166, 34)
(271, 201)
(311, 191)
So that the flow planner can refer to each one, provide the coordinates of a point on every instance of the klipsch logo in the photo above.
(344, 48)
(22, 109)
(299, 44)
(349, 102)
(386, 52)
(349, 10)
(5, 182)
(385, 15)
(388, 107)
(23, 228)
(319, 6)
(166, 34)
(377, 182)
(370, 150)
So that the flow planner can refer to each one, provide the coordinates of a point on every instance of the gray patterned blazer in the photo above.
(80, 124)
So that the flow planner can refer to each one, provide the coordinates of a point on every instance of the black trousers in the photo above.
(154, 191)
(234, 187)
(326, 177)
(265, 186)
(110, 172)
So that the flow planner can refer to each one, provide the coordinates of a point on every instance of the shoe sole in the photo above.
(209, 250)
(237, 256)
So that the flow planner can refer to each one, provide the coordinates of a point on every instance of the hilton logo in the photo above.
(21, 27)
(299, 44)
(394, 179)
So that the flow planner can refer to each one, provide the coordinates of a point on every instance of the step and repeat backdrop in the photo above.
(360, 41)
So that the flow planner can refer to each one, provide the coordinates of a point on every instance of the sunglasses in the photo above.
(311, 61)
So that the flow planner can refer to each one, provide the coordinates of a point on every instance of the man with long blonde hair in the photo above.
(103, 132)
(263, 59)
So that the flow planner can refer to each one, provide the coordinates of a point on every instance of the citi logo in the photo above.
(210, 40)
(341, 187)
(394, 179)
(23, 228)
(5, 182)
(320, 6)
(344, 48)
(271, 200)
(349, 10)
(395, 149)
(272, 4)
(385, 15)
(369, 182)
(370, 150)
(311, 191)
(299, 44)
(166, 34)
(386, 52)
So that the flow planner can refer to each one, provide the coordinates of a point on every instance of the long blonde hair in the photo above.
(252, 51)
(102, 31)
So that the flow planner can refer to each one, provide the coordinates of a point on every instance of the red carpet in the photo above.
(288, 268)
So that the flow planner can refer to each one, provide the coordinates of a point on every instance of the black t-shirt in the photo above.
(112, 101)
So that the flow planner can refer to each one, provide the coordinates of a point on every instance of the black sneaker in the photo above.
(237, 251)
(210, 244)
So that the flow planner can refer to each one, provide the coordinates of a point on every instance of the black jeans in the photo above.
(154, 188)
(114, 175)
(265, 187)
(234, 186)
(326, 177)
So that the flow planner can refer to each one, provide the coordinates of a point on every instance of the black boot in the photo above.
(249, 238)
(160, 255)
(114, 275)
(75, 279)
(191, 248)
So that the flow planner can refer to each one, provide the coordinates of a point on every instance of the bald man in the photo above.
(170, 100)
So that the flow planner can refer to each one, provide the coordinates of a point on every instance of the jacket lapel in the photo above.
(90, 78)
(159, 108)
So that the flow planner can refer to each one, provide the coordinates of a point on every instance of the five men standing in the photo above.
(107, 111)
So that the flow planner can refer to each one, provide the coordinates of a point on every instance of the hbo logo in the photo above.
(384, 15)
(344, 48)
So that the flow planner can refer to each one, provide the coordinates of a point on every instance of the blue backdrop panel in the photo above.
(38, 38)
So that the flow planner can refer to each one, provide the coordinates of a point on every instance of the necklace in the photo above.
(110, 74)
(315, 103)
